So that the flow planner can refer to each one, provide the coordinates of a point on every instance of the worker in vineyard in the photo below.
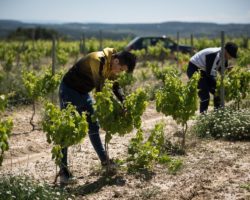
(207, 61)
(87, 74)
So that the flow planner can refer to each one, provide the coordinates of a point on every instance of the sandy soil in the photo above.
(213, 169)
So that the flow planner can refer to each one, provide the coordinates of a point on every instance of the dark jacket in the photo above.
(91, 71)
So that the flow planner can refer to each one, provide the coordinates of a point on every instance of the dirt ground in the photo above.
(212, 169)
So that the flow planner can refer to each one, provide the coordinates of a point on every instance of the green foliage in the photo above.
(126, 79)
(40, 85)
(140, 54)
(177, 99)
(25, 188)
(161, 72)
(157, 138)
(33, 54)
(63, 128)
(144, 75)
(183, 59)
(62, 56)
(246, 186)
(92, 45)
(174, 165)
(244, 57)
(3, 102)
(203, 43)
(68, 49)
(143, 154)
(158, 51)
(9, 58)
(5, 128)
(224, 123)
(119, 45)
(5, 131)
(236, 84)
(115, 117)
(1, 77)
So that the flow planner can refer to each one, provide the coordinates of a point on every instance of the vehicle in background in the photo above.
(139, 43)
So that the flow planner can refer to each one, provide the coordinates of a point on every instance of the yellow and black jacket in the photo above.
(91, 71)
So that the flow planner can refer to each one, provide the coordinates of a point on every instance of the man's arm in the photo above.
(118, 91)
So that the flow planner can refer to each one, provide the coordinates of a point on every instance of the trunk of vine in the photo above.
(238, 105)
(184, 136)
(8, 81)
(33, 114)
(56, 177)
(107, 154)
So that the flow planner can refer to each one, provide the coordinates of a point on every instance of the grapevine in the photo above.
(111, 115)
(236, 83)
(5, 129)
(178, 100)
(115, 117)
(63, 128)
(143, 154)
(39, 86)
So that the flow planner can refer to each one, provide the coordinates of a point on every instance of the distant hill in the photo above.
(118, 31)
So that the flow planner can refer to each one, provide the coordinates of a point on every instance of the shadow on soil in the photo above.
(105, 180)
(97, 185)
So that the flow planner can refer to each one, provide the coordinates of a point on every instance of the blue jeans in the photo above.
(83, 103)
(206, 85)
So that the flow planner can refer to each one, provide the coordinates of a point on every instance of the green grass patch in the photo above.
(25, 188)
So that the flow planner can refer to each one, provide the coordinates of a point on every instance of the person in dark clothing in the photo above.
(207, 61)
(88, 73)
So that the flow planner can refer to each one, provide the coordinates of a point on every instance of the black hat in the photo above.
(232, 49)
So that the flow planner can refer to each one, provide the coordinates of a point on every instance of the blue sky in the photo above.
(126, 11)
